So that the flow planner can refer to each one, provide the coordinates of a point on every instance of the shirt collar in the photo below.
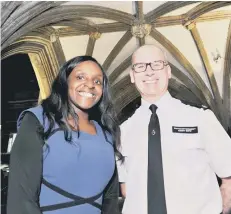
(162, 103)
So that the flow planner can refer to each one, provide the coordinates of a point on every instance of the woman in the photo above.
(62, 161)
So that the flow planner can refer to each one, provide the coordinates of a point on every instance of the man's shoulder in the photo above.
(131, 120)
(190, 106)
(189, 111)
(131, 126)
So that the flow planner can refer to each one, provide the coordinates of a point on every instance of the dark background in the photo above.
(19, 91)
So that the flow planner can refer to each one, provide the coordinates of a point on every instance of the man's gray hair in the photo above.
(156, 46)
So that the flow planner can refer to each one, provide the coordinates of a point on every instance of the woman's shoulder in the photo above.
(37, 111)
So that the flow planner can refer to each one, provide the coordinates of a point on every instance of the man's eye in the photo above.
(140, 66)
(156, 65)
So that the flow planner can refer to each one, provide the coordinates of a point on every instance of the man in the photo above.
(172, 151)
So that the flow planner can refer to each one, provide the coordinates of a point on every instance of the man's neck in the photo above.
(153, 98)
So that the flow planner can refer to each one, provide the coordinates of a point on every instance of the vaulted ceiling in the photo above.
(195, 35)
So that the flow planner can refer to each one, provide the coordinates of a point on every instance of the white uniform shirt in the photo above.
(190, 161)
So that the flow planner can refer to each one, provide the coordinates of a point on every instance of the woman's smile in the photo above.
(86, 94)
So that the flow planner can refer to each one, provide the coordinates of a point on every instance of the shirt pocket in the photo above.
(188, 141)
(188, 151)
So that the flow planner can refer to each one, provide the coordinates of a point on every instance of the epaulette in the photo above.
(197, 105)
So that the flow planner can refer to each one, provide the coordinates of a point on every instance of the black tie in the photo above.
(156, 194)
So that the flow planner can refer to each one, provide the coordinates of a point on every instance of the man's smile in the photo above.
(154, 81)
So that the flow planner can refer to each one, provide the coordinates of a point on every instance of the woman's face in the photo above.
(85, 85)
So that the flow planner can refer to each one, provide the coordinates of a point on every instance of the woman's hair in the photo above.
(57, 107)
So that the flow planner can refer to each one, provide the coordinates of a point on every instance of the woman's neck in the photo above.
(82, 115)
(83, 119)
(83, 124)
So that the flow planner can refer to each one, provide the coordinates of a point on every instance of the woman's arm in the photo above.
(111, 196)
(25, 169)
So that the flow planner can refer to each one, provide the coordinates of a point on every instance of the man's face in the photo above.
(151, 83)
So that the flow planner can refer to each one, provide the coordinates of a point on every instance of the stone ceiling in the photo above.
(195, 35)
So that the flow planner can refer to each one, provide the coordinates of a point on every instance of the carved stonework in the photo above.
(54, 36)
(36, 62)
(95, 35)
(189, 25)
(141, 30)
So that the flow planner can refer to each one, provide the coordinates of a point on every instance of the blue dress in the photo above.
(82, 167)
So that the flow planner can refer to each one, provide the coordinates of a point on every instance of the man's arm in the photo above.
(226, 194)
(122, 175)
(218, 147)
(123, 189)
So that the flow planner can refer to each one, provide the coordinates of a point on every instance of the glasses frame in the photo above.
(164, 63)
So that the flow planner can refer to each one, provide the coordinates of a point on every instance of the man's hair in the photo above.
(57, 107)
(151, 46)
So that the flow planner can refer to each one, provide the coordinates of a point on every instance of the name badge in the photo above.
(185, 130)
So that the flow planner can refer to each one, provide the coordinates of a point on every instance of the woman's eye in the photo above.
(80, 77)
(98, 82)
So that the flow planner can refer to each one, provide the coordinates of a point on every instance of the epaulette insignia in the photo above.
(197, 105)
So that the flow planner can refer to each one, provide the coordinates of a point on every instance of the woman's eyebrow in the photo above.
(98, 75)
(78, 70)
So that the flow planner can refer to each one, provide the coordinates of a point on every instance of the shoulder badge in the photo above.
(197, 105)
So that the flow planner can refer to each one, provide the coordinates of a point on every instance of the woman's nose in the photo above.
(89, 84)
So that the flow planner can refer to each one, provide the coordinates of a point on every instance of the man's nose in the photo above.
(149, 71)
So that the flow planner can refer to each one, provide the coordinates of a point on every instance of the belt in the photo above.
(77, 200)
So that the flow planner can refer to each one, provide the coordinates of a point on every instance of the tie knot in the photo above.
(153, 108)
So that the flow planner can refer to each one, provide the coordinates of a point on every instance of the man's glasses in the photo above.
(155, 66)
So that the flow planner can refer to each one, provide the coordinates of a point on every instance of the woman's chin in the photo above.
(85, 106)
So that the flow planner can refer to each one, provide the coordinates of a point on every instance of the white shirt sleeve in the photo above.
(121, 167)
(121, 170)
(217, 144)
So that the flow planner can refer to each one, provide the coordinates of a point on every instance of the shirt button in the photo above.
(153, 132)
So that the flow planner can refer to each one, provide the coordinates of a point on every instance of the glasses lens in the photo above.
(139, 67)
(158, 65)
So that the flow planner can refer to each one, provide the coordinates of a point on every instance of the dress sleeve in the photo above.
(111, 196)
(25, 168)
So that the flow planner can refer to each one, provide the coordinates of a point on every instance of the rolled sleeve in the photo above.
(217, 145)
